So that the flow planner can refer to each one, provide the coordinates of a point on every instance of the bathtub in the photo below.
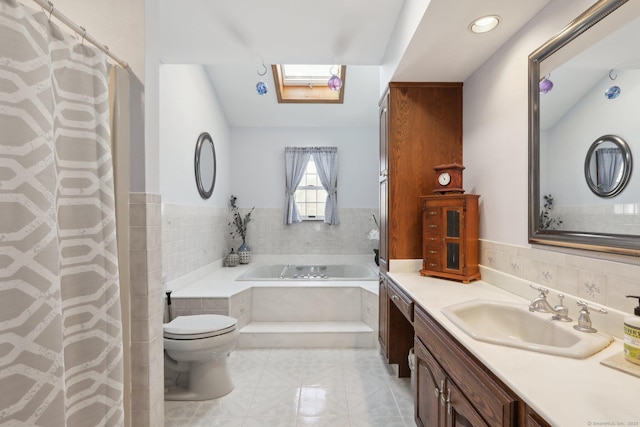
(329, 272)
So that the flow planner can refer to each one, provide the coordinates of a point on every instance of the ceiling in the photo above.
(233, 38)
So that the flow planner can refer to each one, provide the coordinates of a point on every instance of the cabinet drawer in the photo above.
(432, 241)
(431, 212)
(433, 263)
(432, 229)
(496, 404)
(401, 300)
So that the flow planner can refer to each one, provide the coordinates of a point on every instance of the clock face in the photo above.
(444, 178)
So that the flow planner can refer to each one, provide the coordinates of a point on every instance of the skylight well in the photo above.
(297, 83)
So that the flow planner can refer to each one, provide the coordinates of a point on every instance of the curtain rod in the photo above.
(81, 31)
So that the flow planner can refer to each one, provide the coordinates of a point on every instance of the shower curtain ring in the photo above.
(265, 70)
(612, 77)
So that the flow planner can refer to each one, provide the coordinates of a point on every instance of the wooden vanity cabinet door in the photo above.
(459, 411)
(430, 380)
(439, 403)
(530, 418)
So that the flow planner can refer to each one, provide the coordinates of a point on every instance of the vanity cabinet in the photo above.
(450, 245)
(452, 387)
(420, 127)
(531, 418)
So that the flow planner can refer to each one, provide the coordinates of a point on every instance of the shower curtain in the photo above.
(60, 322)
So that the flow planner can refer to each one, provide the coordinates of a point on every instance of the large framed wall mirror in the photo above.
(584, 128)
(205, 165)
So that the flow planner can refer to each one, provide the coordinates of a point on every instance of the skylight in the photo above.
(297, 83)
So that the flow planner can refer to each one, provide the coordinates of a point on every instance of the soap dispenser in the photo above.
(632, 334)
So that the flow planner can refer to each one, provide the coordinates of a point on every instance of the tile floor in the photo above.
(304, 387)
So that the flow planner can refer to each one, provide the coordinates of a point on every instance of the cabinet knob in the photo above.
(433, 252)
(433, 225)
(438, 391)
(446, 401)
(433, 213)
(432, 264)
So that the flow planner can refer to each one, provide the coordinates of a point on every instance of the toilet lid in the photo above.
(199, 326)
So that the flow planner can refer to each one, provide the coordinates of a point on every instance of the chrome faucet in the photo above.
(584, 321)
(541, 305)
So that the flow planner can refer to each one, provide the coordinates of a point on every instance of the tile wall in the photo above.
(600, 278)
(147, 370)
(193, 236)
(599, 218)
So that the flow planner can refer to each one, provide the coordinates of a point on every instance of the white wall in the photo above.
(257, 163)
(188, 106)
(496, 126)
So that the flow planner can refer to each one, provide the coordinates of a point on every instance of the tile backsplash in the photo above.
(597, 278)
(195, 236)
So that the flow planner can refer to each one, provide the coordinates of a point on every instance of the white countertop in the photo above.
(566, 392)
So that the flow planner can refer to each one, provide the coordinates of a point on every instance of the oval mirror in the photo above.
(607, 166)
(205, 165)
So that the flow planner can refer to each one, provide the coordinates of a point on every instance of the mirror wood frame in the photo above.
(610, 243)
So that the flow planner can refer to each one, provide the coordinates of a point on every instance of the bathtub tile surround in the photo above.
(195, 236)
(269, 235)
(299, 387)
(147, 364)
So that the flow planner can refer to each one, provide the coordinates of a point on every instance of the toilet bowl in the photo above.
(195, 356)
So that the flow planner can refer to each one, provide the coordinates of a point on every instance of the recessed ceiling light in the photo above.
(484, 24)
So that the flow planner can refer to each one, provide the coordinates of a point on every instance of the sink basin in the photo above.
(513, 325)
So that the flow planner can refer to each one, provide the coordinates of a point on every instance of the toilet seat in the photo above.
(199, 326)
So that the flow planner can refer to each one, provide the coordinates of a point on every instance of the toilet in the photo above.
(195, 356)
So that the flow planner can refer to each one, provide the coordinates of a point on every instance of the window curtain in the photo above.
(295, 161)
(60, 315)
(609, 164)
(326, 160)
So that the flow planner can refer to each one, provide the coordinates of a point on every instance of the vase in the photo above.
(232, 259)
(244, 252)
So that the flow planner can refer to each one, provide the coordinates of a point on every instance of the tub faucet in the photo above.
(540, 304)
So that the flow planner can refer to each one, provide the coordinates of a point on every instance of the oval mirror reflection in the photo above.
(205, 165)
(607, 166)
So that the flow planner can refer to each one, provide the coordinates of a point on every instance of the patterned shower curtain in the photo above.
(60, 322)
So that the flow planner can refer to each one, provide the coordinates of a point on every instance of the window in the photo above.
(318, 167)
(307, 83)
(310, 196)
